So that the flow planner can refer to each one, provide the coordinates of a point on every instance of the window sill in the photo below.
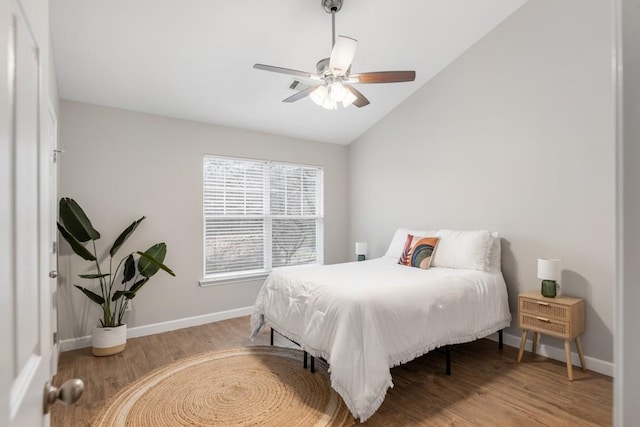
(232, 279)
(252, 276)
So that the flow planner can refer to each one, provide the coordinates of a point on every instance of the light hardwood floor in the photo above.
(487, 387)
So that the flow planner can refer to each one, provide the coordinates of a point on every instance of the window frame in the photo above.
(252, 275)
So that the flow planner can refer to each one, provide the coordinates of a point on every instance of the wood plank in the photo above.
(487, 387)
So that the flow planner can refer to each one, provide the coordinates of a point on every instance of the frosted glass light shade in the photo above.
(337, 91)
(329, 103)
(348, 99)
(361, 248)
(549, 269)
(319, 95)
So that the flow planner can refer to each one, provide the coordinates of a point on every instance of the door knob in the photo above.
(68, 393)
(53, 274)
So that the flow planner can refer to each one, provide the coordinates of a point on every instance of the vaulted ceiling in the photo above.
(193, 59)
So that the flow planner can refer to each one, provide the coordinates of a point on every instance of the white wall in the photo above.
(516, 136)
(119, 165)
(627, 386)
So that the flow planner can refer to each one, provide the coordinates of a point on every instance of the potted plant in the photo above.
(119, 285)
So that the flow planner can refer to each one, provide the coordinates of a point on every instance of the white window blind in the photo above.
(260, 215)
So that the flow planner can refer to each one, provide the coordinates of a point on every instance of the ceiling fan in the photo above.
(333, 82)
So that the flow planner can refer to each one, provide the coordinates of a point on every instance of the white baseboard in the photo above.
(156, 328)
(75, 343)
(593, 364)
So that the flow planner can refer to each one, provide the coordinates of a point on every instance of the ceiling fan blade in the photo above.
(383, 77)
(299, 95)
(288, 71)
(361, 100)
(342, 54)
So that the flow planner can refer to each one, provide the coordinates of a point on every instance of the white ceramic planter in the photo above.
(109, 341)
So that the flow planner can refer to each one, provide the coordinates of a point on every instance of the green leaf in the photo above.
(124, 236)
(136, 286)
(93, 276)
(151, 260)
(76, 221)
(129, 269)
(77, 247)
(92, 295)
(119, 294)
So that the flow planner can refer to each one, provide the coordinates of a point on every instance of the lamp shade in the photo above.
(549, 269)
(361, 248)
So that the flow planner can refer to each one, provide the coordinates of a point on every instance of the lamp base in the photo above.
(548, 288)
(360, 257)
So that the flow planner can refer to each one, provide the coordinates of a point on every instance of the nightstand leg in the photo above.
(522, 343)
(535, 343)
(579, 345)
(567, 351)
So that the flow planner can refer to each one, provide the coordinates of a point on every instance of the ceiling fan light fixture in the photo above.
(329, 104)
(319, 95)
(332, 84)
(337, 92)
(348, 99)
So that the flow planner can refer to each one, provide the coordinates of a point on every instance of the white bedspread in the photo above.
(366, 317)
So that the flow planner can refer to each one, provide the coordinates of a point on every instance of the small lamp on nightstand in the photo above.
(549, 272)
(361, 250)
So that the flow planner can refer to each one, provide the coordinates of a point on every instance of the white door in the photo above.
(25, 305)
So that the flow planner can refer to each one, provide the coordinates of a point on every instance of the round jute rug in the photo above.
(253, 386)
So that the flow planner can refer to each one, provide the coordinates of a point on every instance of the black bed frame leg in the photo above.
(448, 355)
(271, 336)
(313, 364)
(500, 341)
(304, 360)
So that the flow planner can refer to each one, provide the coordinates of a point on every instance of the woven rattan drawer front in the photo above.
(545, 309)
(545, 325)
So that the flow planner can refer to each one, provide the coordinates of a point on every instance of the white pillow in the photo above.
(400, 237)
(467, 250)
(495, 254)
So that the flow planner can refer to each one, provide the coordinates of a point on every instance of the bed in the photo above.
(366, 317)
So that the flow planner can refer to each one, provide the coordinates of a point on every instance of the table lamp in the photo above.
(361, 250)
(549, 272)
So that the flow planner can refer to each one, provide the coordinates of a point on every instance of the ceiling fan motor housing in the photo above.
(327, 74)
(323, 67)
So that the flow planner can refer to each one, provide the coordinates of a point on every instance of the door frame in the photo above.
(53, 181)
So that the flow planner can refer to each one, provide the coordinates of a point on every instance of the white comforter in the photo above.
(366, 317)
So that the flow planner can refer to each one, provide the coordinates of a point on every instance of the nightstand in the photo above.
(561, 317)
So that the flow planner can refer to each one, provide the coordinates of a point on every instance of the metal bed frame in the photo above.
(447, 352)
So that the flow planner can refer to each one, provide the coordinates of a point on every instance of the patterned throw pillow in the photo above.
(418, 251)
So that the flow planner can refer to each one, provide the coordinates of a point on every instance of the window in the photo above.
(260, 215)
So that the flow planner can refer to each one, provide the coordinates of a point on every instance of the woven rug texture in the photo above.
(252, 386)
